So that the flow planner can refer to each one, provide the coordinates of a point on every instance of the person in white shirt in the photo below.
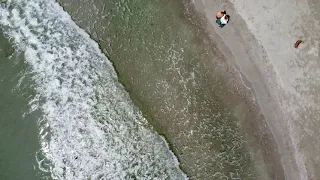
(223, 20)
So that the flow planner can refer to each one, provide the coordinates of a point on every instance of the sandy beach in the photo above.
(260, 41)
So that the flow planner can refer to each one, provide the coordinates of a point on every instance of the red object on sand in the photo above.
(296, 45)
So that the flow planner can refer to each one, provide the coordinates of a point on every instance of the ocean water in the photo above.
(74, 118)
(19, 144)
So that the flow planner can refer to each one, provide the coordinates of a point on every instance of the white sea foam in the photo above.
(90, 129)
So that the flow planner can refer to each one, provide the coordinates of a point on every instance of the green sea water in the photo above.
(19, 141)
(86, 124)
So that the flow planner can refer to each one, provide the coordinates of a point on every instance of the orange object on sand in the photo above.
(296, 45)
(220, 14)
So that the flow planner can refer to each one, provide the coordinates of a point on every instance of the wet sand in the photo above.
(284, 79)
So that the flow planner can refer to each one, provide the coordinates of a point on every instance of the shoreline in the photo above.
(235, 52)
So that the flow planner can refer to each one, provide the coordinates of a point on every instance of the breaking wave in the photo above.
(90, 129)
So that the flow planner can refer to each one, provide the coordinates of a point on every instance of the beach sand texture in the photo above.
(260, 39)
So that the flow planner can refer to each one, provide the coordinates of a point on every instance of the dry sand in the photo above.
(259, 40)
